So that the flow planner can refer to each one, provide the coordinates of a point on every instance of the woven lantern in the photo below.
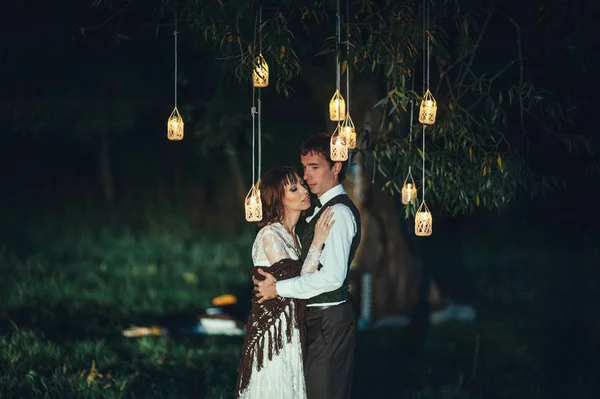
(423, 221)
(349, 131)
(175, 126)
(253, 205)
(260, 73)
(409, 189)
(428, 109)
(337, 107)
(338, 147)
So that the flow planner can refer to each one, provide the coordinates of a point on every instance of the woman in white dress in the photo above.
(271, 366)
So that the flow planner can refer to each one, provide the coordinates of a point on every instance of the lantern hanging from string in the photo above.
(175, 126)
(253, 204)
(260, 73)
(337, 107)
(428, 109)
(423, 221)
(338, 146)
(409, 189)
(349, 131)
(175, 121)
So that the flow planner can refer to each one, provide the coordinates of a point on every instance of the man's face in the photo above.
(319, 176)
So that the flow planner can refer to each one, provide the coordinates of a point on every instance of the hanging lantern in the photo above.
(338, 147)
(423, 221)
(175, 126)
(409, 193)
(428, 109)
(253, 205)
(337, 107)
(260, 74)
(409, 189)
(349, 131)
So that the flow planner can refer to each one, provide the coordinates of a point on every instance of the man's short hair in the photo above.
(320, 143)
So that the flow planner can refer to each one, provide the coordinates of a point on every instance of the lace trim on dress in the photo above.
(274, 243)
(312, 261)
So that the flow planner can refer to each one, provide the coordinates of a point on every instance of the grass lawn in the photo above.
(63, 305)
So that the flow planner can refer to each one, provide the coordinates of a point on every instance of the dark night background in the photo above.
(104, 223)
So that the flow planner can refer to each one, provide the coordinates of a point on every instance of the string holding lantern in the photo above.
(260, 73)
(338, 146)
(260, 79)
(348, 128)
(175, 122)
(409, 188)
(175, 126)
(253, 204)
(428, 109)
(423, 221)
(423, 218)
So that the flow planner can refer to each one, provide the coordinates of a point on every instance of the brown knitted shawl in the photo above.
(265, 315)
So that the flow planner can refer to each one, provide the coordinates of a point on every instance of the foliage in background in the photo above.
(493, 103)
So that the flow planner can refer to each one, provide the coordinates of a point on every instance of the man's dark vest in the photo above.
(306, 232)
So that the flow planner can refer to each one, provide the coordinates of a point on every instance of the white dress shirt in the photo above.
(334, 257)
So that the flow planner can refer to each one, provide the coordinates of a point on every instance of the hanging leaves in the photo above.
(472, 157)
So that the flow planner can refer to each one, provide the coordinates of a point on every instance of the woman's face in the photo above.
(296, 196)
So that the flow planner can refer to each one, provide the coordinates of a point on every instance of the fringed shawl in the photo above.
(265, 315)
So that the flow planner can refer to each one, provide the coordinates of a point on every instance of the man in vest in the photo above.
(330, 317)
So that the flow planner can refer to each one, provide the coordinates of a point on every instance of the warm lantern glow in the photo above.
(338, 147)
(175, 126)
(423, 221)
(337, 107)
(409, 192)
(428, 109)
(253, 205)
(260, 73)
(349, 131)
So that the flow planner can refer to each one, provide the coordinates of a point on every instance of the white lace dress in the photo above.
(283, 376)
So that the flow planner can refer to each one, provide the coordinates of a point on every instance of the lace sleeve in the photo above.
(274, 247)
(312, 261)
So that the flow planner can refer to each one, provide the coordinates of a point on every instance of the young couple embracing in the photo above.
(301, 332)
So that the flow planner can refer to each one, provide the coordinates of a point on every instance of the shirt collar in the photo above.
(332, 192)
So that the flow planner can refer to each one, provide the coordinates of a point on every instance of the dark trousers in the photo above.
(330, 342)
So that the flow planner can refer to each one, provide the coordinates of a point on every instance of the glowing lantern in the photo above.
(260, 74)
(175, 126)
(423, 221)
(428, 109)
(349, 131)
(409, 192)
(338, 147)
(253, 205)
(409, 189)
(337, 107)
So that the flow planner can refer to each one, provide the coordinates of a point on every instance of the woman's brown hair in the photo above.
(272, 190)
